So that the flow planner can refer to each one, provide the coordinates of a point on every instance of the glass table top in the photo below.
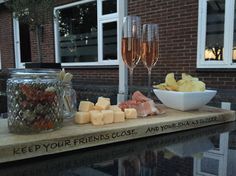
(208, 151)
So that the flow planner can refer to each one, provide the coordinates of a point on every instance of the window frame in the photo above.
(0, 59)
(16, 38)
(228, 36)
(101, 19)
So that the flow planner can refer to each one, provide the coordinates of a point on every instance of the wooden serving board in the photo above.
(72, 137)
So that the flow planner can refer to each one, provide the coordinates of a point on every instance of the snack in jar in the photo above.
(34, 101)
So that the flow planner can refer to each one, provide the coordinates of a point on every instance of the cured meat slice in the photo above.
(144, 106)
(128, 104)
(147, 108)
(138, 96)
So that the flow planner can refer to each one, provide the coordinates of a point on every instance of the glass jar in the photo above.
(69, 100)
(34, 101)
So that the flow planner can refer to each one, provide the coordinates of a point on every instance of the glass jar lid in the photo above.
(34, 73)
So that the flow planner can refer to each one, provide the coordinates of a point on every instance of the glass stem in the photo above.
(149, 82)
(130, 82)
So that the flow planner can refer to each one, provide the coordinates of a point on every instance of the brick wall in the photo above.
(178, 22)
(6, 38)
(178, 35)
(178, 47)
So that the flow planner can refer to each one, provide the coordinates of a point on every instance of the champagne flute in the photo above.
(150, 49)
(131, 43)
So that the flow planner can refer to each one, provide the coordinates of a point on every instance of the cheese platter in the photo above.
(74, 136)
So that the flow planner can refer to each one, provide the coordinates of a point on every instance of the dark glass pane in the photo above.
(25, 47)
(234, 42)
(108, 6)
(210, 166)
(110, 41)
(215, 30)
(78, 33)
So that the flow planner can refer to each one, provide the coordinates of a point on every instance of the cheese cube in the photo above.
(131, 113)
(119, 116)
(103, 98)
(108, 116)
(98, 108)
(82, 117)
(96, 117)
(102, 103)
(86, 106)
(114, 108)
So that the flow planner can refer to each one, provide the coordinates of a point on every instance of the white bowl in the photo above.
(184, 101)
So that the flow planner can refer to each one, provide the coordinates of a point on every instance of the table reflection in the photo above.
(205, 151)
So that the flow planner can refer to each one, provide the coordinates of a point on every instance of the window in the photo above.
(87, 32)
(216, 34)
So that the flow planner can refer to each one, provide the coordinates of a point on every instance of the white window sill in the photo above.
(216, 69)
(222, 66)
(90, 65)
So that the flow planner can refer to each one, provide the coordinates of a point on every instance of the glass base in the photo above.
(19, 128)
(69, 115)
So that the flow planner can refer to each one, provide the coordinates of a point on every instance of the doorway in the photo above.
(22, 44)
